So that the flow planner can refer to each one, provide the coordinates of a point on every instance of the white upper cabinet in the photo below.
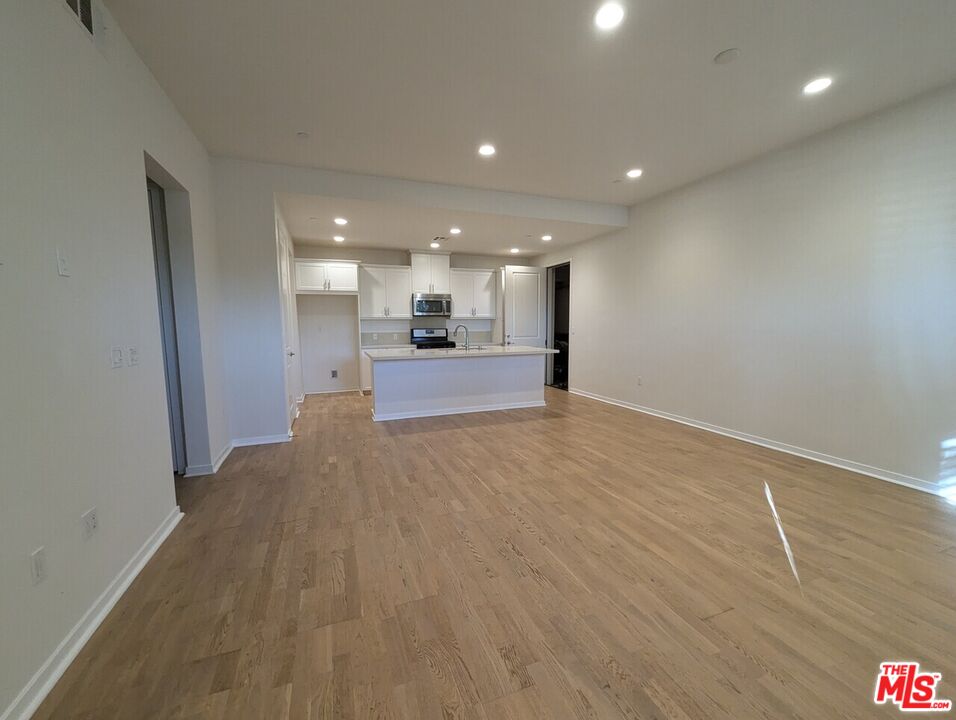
(385, 291)
(473, 294)
(485, 283)
(398, 292)
(322, 276)
(430, 273)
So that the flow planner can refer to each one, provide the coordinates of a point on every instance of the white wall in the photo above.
(808, 297)
(329, 340)
(77, 118)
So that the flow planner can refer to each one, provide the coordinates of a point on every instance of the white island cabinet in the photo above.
(409, 383)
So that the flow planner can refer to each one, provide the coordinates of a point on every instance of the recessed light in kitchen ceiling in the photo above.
(817, 86)
(515, 251)
(487, 150)
(455, 231)
(339, 238)
(341, 221)
(609, 16)
(634, 173)
(435, 245)
(546, 238)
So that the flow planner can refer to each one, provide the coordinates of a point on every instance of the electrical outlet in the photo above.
(90, 523)
(394, 336)
(132, 356)
(38, 565)
(335, 373)
(116, 357)
(62, 263)
(374, 336)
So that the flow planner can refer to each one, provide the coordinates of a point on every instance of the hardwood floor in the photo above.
(574, 561)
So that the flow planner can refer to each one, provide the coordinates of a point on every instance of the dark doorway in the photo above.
(560, 285)
(167, 322)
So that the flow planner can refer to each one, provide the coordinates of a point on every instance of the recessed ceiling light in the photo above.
(436, 245)
(546, 238)
(726, 56)
(817, 86)
(455, 231)
(487, 150)
(515, 251)
(341, 221)
(634, 173)
(609, 16)
(339, 238)
(302, 135)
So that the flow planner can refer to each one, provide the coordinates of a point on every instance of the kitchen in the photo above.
(430, 311)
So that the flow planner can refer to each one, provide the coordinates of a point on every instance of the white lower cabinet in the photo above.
(473, 294)
(385, 291)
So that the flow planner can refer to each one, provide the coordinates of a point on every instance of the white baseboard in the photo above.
(261, 440)
(195, 470)
(331, 392)
(455, 411)
(878, 473)
(29, 699)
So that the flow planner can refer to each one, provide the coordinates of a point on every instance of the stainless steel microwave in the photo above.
(431, 305)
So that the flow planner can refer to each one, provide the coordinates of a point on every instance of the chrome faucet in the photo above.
(462, 327)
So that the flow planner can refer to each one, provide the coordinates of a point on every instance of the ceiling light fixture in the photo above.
(634, 173)
(339, 238)
(487, 150)
(609, 16)
(515, 251)
(341, 221)
(455, 231)
(817, 86)
(436, 245)
(546, 238)
(302, 135)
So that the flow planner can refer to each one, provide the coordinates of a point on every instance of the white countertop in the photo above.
(459, 352)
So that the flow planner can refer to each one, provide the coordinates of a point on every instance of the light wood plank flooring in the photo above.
(574, 561)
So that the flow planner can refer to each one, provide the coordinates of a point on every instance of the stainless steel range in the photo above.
(431, 338)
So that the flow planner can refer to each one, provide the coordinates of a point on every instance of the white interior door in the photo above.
(525, 306)
(286, 263)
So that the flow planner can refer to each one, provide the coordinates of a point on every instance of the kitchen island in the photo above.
(409, 383)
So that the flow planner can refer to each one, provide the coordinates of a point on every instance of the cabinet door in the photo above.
(372, 291)
(441, 282)
(398, 289)
(484, 294)
(310, 276)
(342, 277)
(462, 293)
(421, 276)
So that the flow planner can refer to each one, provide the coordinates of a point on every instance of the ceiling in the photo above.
(405, 227)
(410, 88)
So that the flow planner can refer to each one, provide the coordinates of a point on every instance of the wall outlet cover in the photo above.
(38, 565)
(91, 523)
(335, 373)
(116, 357)
(132, 356)
(62, 263)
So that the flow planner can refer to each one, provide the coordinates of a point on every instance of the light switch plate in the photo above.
(132, 355)
(116, 357)
(62, 263)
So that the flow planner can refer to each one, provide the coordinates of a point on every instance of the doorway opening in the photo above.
(559, 325)
(167, 323)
